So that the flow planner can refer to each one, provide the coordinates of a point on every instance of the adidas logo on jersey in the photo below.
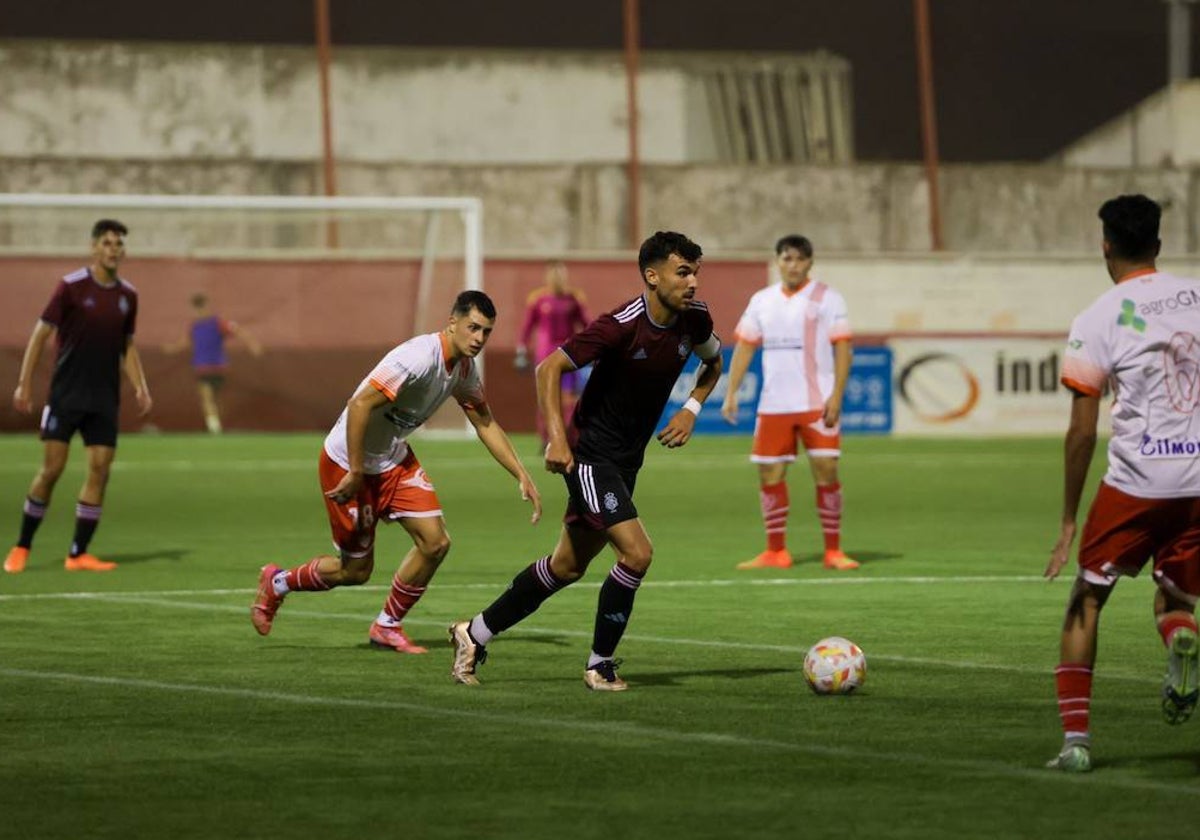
(640, 354)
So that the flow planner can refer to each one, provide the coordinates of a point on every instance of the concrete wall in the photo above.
(1161, 130)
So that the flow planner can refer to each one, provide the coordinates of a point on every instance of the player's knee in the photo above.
(435, 550)
(50, 473)
(639, 558)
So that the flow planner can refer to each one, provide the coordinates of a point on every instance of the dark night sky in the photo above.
(1015, 79)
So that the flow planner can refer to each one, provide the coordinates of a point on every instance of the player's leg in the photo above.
(431, 543)
(1178, 577)
(577, 546)
(208, 405)
(614, 607)
(353, 529)
(54, 461)
(99, 433)
(773, 450)
(823, 445)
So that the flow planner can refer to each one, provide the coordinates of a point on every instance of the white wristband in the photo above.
(693, 405)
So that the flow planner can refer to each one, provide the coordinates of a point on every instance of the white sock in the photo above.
(279, 583)
(595, 659)
(385, 620)
(479, 631)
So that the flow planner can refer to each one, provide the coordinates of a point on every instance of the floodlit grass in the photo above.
(141, 703)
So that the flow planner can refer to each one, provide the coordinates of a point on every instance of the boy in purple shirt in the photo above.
(206, 337)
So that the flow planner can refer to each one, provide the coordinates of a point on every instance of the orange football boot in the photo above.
(88, 563)
(769, 560)
(839, 561)
(266, 602)
(393, 637)
(14, 563)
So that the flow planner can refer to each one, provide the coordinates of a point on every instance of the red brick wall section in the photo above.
(323, 324)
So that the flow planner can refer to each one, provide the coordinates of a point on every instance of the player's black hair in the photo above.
(662, 245)
(199, 299)
(1131, 226)
(473, 299)
(105, 225)
(794, 240)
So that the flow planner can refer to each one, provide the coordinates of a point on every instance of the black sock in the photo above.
(614, 608)
(31, 518)
(533, 585)
(87, 519)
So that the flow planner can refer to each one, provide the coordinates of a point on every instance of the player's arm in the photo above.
(243, 335)
(181, 343)
(137, 377)
(550, 370)
(521, 359)
(843, 355)
(678, 430)
(493, 437)
(358, 413)
(743, 353)
(23, 395)
(1078, 448)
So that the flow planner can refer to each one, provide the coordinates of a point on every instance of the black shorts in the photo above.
(600, 496)
(97, 428)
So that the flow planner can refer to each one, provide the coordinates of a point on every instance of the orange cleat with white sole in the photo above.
(88, 563)
(266, 602)
(769, 560)
(394, 638)
(838, 561)
(14, 563)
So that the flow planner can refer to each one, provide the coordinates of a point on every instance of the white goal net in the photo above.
(326, 285)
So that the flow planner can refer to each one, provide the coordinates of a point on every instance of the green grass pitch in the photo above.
(141, 704)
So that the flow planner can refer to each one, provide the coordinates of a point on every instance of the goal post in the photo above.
(313, 277)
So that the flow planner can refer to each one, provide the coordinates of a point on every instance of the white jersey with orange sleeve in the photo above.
(1143, 337)
(416, 379)
(797, 331)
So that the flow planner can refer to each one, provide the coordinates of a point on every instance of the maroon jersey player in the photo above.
(92, 314)
(637, 351)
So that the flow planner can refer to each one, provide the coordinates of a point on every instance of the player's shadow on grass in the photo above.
(1191, 757)
(172, 554)
(864, 557)
(673, 678)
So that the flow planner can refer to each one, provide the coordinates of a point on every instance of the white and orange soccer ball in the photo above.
(835, 666)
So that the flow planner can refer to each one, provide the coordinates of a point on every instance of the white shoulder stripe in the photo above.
(697, 304)
(76, 276)
(126, 284)
(631, 311)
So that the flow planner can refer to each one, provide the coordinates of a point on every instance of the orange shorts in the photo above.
(1123, 532)
(401, 492)
(775, 437)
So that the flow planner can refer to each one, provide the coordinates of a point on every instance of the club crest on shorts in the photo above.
(610, 502)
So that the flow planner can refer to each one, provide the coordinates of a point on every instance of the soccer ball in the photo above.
(835, 666)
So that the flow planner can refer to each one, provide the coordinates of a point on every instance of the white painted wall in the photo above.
(1162, 130)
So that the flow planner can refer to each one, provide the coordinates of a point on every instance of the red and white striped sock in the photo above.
(306, 578)
(773, 498)
(1073, 682)
(400, 600)
(829, 509)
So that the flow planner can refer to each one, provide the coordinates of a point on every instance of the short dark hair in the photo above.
(473, 299)
(1131, 226)
(794, 240)
(662, 245)
(105, 225)
(199, 299)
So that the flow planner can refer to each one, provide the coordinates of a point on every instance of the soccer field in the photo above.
(141, 703)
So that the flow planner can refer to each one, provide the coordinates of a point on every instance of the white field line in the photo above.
(149, 600)
(608, 730)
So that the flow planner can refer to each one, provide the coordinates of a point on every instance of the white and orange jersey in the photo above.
(797, 331)
(417, 378)
(1142, 336)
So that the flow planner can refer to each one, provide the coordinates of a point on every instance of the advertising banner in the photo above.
(981, 386)
(867, 406)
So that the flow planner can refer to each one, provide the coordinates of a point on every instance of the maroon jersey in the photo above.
(636, 364)
(93, 324)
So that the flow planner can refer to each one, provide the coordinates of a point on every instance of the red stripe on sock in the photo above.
(773, 499)
(402, 598)
(1168, 623)
(829, 509)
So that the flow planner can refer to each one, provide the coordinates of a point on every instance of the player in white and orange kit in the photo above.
(369, 473)
(1142, 337)
(804, 331)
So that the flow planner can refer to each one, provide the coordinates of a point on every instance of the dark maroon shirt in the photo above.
(636, 364)
(93, 324)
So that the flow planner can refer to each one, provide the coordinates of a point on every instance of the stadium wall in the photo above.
(325, 323)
